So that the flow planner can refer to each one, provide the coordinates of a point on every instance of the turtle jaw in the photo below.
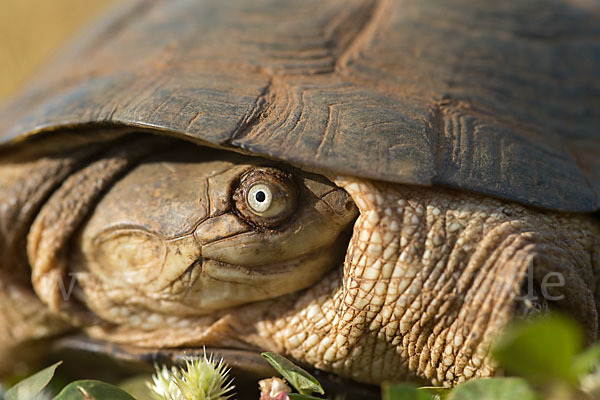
(247, 265)
(222, 264)
(219, 285)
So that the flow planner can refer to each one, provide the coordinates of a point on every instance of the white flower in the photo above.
(591, 383)
(164, 386)
(202, 378)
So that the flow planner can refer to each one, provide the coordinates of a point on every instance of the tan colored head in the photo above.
(194, 230)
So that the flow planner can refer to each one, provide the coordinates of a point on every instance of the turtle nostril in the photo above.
(349, 206)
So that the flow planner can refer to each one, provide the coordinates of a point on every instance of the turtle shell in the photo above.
(500, 98)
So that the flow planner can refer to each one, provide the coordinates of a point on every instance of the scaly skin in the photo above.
(430, 278)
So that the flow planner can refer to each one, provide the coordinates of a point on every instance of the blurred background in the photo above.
(31, 31)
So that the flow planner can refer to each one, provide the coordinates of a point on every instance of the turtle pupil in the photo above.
(260, 196)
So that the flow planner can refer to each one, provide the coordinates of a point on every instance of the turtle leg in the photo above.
(25, 183)
(62, 214)
(430, 278)
(30, 183)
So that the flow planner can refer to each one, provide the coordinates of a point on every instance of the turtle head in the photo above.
(202, 230)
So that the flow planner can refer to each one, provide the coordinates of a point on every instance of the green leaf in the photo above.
(28, 388)
(437, 392)
(403, 391)
(92, 390)
(542, 351)
(493, 389)
(301, 380)
(137, 386)
(299, 396)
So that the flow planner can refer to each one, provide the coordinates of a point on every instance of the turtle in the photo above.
(373, 188)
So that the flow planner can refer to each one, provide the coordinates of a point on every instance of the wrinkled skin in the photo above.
(163, 251)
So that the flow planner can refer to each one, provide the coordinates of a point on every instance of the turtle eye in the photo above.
(266, 196)
(260, 199)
